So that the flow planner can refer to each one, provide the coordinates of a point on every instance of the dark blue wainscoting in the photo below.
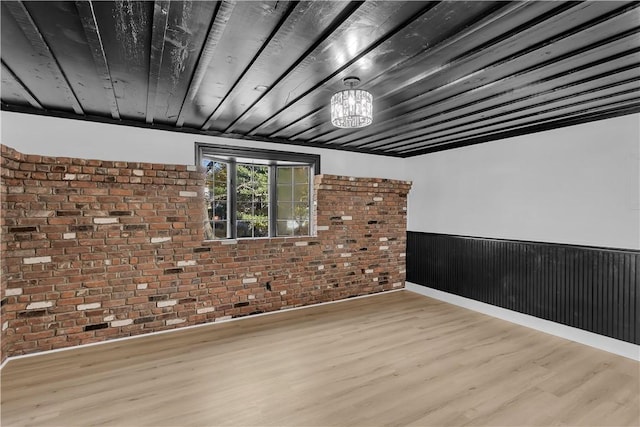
(595, 289)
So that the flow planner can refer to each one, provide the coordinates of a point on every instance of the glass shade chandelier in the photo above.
(351, 108)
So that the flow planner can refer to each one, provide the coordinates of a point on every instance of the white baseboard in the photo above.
(621, 348)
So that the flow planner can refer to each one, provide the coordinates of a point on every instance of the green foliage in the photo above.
(252, 189)
(259, 223)
(252, 197)
(216, 179)
(252, 183)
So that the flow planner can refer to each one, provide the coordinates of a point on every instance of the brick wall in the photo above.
(7, 168)
(93, 250)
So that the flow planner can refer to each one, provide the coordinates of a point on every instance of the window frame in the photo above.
(234, 156)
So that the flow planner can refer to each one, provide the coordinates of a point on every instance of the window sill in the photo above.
(259, 239)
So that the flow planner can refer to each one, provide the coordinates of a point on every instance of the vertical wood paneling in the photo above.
(595, 289)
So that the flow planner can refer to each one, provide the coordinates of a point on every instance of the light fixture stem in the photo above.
(351, 82)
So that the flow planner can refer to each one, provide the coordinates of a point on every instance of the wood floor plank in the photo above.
(391, 359)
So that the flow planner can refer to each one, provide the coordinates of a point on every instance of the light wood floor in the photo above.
(390, 359)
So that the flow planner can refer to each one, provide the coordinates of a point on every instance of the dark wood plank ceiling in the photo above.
(443, 74)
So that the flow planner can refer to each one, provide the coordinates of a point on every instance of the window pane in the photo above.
(244, 194)
(285, 192)
(301, 211)
(293, 200)
(244, 229)
(261, 225)
(220, 179)
(261, 181)
(303, 229)
(285, 210)
(285, 228)
(301, 193)
(252, 200)
(261, 210)
(261, 229)
(208, 188)
(244, 189)
(216, 195)
(244, 208)
(220, 210)
(284, 175)
(220, 229)
(301, 175)
(292, 228)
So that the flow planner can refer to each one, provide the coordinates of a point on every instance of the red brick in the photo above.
(107, 263)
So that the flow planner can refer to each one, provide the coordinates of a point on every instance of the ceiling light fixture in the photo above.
(351, 108)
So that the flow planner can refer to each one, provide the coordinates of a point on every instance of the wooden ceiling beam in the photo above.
(160, 21)
(24, 92)
(342, 21)
(507, 120)
(41, 48)
(371, 48)
(92, 33)
(223, 14)
(580, 117)
(452, 124)
(415, 60)
(556, 14)
(415, 128)
(431, 51)
(374, 133)
(262, 52)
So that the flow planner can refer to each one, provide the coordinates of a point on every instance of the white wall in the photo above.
(50, 136)
(576, 185)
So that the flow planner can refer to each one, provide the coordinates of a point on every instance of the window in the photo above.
(254, 193)
(293, 185)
